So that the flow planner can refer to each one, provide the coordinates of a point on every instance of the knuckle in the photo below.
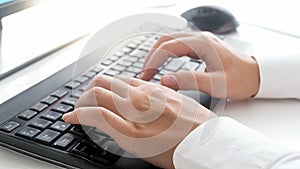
(164, 38)
(210, 36)
(140, 101)
(95, 91)
(165, 46)
(97, 80)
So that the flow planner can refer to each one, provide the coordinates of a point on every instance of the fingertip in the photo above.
(70, 117)
(148, 73)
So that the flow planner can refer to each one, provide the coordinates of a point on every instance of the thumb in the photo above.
(187, 80)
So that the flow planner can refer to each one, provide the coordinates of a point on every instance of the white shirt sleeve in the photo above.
(223, 143)
(279, 77)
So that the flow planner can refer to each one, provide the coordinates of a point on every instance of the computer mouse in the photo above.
(211, 18)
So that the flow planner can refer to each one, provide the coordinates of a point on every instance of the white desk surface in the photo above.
(278, 119)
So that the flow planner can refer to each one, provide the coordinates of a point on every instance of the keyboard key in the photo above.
(155, 37)
(141, 60)
(89, 74)
(40, 123)
(150, 43)
(201, 68)
(72, 85)
(51, 115)
(174, 65)
(125, 63)
(81, 79)
(49, 100)
(83, 150)
(111, 72)
(157, 77)
(78, 130)
(98, 69)
(137, 75)
(86, 149)
(132, 45)
(28, 132)
(64, 141)
(69, 101)
(155, 81)
(106, 62)
(164, 72)
(145, 47)
(114, 58)
(63, 108)
(191, 66)
(126, 50)
(59, 93)
(138, 65)
(119, 54)
(47, 136)
(128, 74)
(133, 70)
(119, 67)
(77, 94)
(131, 59)
(97, 138)
(39, 107)
(60, 126)
(82, 88)
(9, 126)
(27, 115)
(138, 53)
(137, 41)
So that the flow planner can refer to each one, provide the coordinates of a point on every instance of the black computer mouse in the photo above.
(211, 18)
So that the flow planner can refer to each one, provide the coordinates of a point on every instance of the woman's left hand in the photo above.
(145, 119)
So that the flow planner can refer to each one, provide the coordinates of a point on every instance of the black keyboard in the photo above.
(40, 131)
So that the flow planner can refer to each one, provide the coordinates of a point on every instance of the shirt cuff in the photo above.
(279, 77)
(223, 143)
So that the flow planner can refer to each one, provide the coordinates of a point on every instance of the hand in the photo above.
(144, 118)
(229, 73)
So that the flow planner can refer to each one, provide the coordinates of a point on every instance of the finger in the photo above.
(150, 72)
(100, 81)
(98, 96)
(202, 46)
(99, 117)
(113, 84)
(166, 38)
(131, 81)
(196, 81)
(171, 48)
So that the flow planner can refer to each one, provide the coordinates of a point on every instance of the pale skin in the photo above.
(132, 109)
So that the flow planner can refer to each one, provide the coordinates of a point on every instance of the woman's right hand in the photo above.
(229, 73)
